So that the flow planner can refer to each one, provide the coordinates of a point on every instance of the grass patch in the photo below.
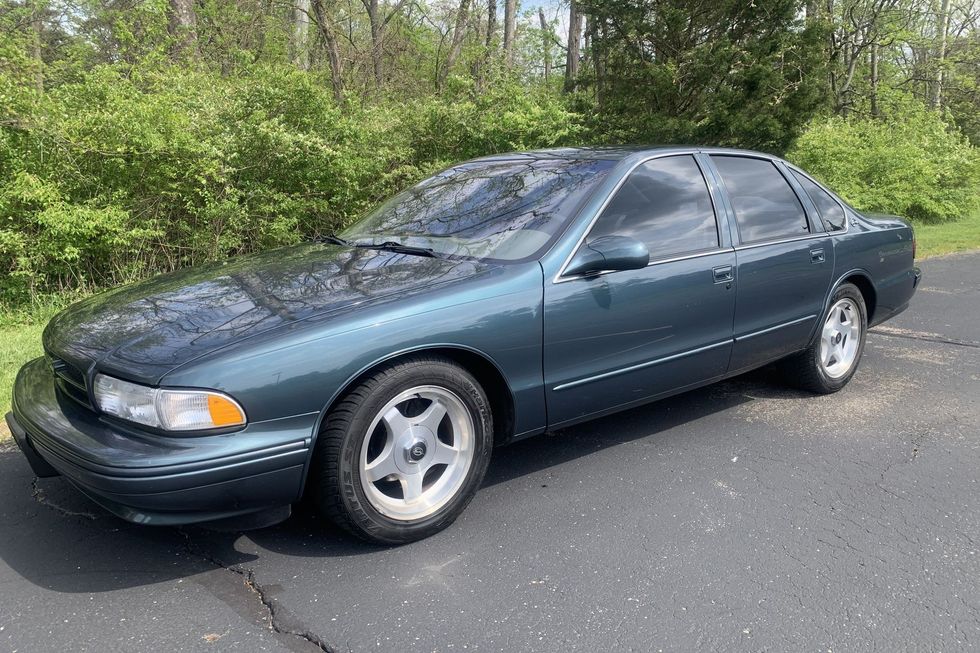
(20, 341)
(949, 237)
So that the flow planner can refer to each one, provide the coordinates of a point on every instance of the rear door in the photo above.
(784, 260)
(624, 337)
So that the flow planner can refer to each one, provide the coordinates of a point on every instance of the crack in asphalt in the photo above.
(247, 574)
(890, 332)
(248, 579)
(916, 442)
(38, 495)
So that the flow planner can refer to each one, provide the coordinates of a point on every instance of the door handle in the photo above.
(723, 274)
(817, 256)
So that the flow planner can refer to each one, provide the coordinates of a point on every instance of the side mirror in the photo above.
(609, 253)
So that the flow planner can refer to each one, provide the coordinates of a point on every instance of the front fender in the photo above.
(303, 371)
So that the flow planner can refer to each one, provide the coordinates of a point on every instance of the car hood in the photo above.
(145, 330)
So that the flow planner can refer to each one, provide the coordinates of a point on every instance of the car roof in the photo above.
(610, 153)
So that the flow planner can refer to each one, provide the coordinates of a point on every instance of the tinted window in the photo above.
(505, 209)
(765, 205)
(830, 211)
(665, 204)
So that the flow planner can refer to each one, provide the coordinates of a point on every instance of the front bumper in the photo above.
(156, 479)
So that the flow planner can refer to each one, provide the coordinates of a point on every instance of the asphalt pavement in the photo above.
(743, 516)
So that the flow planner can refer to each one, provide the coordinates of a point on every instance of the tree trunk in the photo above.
(37, 26)
(942, 29)
(491, 22)
(379, 21)
(377, 46)
(574, 38)
(510, 28)
(596, 35)
(874, 81)
(832, 52)
(300, 36)
(459, 31)
(545, 43)
(488, 46)
(333, 50)
(183, 28)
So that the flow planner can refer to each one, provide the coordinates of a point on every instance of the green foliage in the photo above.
(719, 72)
(909, 163)
(127, 171)
(507, 117)
(129, 148)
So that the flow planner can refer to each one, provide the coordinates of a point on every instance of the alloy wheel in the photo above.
(417, 453)
(840, 339)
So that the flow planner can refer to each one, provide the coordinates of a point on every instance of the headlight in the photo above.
(172, 410)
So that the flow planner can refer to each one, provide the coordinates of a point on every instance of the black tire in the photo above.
(805, 369)
(335, 476)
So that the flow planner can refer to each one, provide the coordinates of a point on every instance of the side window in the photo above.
(830, 211)
(765, 205)
(665, 204)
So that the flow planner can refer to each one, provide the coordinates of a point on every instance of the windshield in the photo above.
(502, 210)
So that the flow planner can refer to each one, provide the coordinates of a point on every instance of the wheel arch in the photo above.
(479, 364)
(862, 280)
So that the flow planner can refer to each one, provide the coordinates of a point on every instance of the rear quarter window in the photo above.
(830, 210)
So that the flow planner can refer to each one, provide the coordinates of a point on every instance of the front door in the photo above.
(621, 338)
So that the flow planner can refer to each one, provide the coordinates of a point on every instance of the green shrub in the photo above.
(505, 118)
(909, 163)
(123, 172)
(64, 244)
(118, 172)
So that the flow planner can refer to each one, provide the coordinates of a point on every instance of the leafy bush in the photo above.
(910, 163)
(116, 172)
(507, 117)
(121, 172)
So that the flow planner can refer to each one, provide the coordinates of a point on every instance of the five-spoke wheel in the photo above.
(402, 453)
(840, 338)
(417, 452)
(831, 360)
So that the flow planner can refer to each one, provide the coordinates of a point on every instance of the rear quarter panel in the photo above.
(879, 248)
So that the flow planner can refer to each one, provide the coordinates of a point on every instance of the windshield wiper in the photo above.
(388, 246)
(332, 238)
(392, 246)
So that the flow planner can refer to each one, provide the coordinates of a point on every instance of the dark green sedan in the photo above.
(374, 370)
